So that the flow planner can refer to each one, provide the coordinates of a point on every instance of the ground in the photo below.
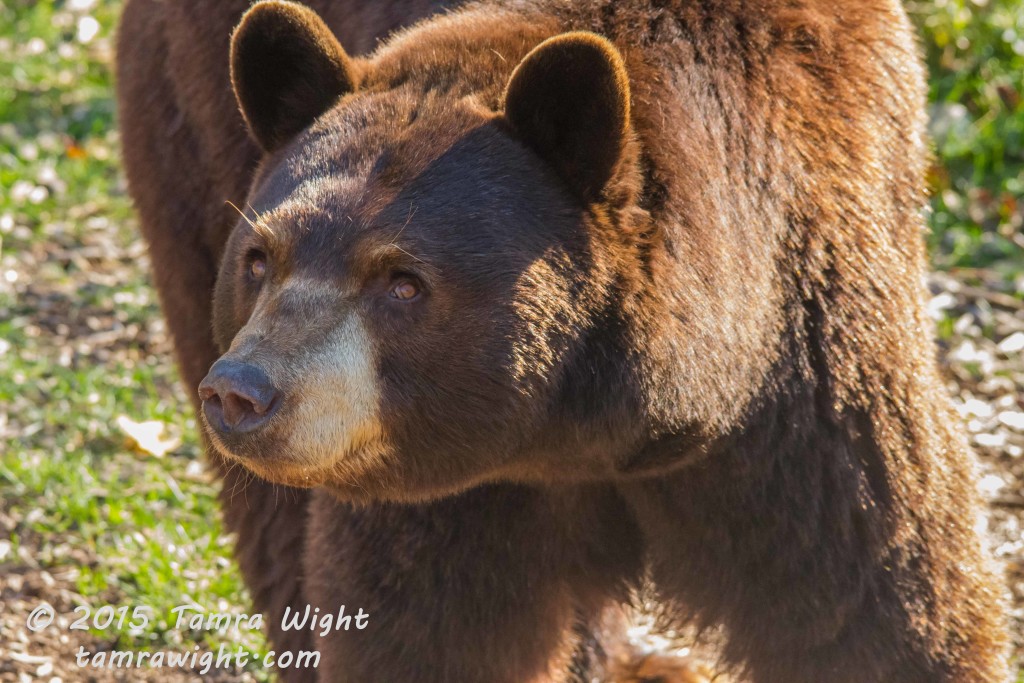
(96, 508)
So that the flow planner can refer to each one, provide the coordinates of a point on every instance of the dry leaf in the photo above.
(148, 437)
(75, 152)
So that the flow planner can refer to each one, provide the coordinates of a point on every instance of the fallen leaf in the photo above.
(148, 437)
(75, 152)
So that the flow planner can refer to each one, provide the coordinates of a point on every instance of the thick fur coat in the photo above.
(547, 300)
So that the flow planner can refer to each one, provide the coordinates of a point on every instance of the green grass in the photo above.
(80, 334)
(975, 54)
(74, 304)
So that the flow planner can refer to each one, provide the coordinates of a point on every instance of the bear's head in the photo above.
(424, 292)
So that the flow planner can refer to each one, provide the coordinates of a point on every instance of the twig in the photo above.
(1012, 501)
(994, 298)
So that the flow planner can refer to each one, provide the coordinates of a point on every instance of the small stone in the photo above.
(990, 440)
(1012, 344)
(1013, 420)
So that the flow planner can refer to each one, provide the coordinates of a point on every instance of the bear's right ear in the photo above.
(287, 68)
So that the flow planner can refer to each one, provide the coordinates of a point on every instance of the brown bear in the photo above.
(539, 301)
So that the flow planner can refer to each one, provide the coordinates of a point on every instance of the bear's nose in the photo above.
(237, 397)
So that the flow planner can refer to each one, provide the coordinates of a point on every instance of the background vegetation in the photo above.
(975, 54)
(103, 497)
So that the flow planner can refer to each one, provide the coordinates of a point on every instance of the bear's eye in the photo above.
(404, 289)
(257, 264)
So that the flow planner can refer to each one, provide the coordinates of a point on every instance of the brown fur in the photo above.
(671, 327)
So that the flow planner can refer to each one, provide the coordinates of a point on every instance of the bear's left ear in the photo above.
(569, 101)
(287, 68)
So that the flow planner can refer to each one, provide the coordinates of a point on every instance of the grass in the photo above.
(137, 529)
(975, 54)
(81, 341)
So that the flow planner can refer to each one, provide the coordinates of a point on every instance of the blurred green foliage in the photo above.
(975, 55)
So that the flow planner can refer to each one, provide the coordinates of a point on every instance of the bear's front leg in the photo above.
(827, 559)
(480, 588)
(269, 522)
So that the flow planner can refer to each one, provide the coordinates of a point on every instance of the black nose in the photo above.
(237, 397)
